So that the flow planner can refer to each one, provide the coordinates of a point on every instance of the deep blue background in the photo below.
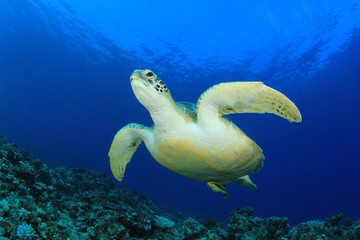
(65, 91)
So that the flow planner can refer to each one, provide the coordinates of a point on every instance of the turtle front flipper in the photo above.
(218, 188)
(244, 97)
(124, 145)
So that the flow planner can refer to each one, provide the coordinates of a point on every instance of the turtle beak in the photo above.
(137, 75)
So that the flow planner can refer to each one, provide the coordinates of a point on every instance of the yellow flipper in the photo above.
(245, 97)
(124, 145)
(218, 188)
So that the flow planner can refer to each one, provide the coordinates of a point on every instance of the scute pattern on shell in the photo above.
(189, 109)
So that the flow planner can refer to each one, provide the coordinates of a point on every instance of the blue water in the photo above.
(65, 92)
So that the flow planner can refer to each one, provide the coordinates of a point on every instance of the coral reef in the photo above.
(37, 202)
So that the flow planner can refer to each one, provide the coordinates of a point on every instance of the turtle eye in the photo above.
(149, 74)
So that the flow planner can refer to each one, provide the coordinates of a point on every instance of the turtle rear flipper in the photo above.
(246, 182)
(124, 145)
(218, 188)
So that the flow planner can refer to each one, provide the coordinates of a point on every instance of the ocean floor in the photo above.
(38, 202)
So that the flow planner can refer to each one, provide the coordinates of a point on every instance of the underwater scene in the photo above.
(158, 119)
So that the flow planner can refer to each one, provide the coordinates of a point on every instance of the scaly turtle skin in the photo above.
(196, 141)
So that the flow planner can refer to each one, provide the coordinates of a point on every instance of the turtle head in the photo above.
(149, 89)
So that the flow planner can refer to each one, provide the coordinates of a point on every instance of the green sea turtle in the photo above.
(196, 141)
